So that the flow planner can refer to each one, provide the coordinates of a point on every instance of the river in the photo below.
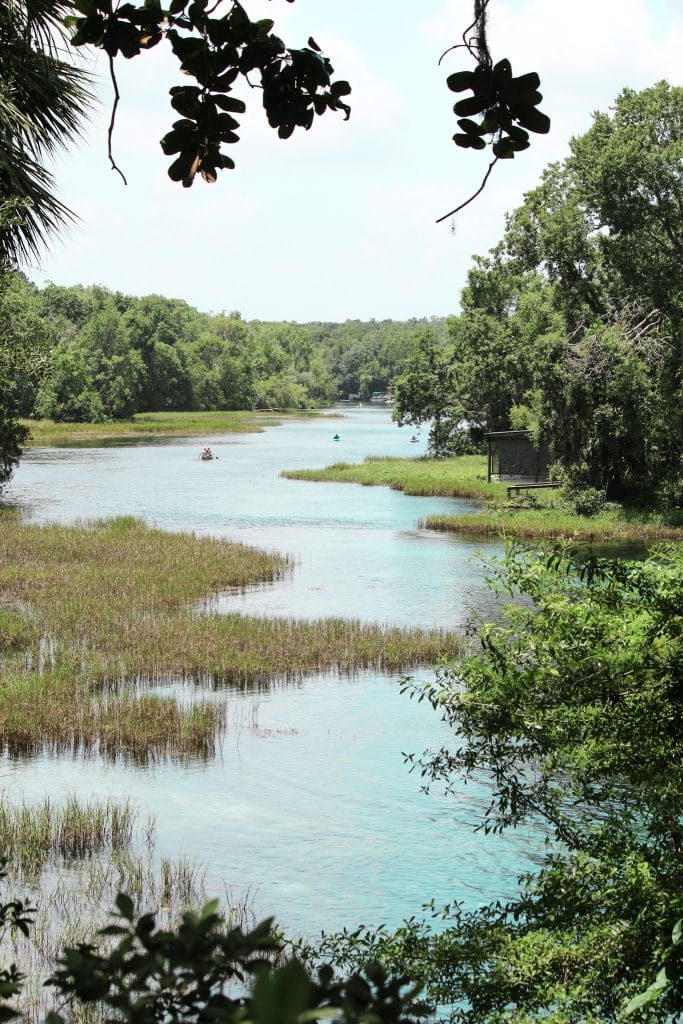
(309, 807)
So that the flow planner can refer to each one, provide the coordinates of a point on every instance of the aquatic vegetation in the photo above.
(148, 425)
(70, 862)
(58, 711)
(34, 834)
(465, 477)
(554, 524)
(461, 477)
(101, 612)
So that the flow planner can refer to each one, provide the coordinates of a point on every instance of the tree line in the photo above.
(572, 326)
(88, 354)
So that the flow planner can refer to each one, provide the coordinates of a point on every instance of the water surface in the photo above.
(309, 806)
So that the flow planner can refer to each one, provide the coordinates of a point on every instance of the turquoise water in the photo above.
(309, 807)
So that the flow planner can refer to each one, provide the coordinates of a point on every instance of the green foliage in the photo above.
(102, 355)
(570, 708)
(589, 502)
(201, 971)
(15, 915)
(573, 324)
(610, 421)
(42, 103)
(24, 338)
(427, 392)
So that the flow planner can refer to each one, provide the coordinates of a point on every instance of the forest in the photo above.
(99, 355)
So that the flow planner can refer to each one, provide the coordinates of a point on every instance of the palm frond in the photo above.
(44, 98)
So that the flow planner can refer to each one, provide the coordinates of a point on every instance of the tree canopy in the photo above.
(573, 325)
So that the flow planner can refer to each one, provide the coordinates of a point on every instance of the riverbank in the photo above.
(153, 425)
(547, 515)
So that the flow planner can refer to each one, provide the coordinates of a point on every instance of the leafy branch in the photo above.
(216, 51)
(507, 105)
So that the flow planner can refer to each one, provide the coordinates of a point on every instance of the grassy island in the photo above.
(148, 426)
(92, 617)
(547, 515)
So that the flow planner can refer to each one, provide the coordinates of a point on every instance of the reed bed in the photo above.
(34, 834)
(74, 900)
(556, 524)
(238, 649)
(108, 606)
(53, 711)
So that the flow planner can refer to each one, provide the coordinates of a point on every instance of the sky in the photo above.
(339, 222)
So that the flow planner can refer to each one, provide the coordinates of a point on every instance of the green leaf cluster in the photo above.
(207, 971)
(218, 49)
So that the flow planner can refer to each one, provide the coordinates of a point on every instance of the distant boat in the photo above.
(336, 437)
(206, 455)
(414, 438)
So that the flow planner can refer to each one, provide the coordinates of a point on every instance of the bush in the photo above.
(590, 502)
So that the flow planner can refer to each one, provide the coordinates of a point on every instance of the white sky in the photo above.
(338, 222)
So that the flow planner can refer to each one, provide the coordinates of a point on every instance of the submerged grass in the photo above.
(465, 477)
(70, 862)
(97, 613)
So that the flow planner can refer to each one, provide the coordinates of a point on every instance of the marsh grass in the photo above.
(17, 632)
(34, 834)
(465, 477)
(56, 712)
(108, 610)
(558, 524)
(120, 567)
(461, 477)
(147, 425)
(75, 899)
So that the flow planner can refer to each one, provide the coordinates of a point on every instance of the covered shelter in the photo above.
(513, 456)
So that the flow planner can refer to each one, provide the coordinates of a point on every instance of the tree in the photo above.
(570, 708)
(575, 318)
(203, 971)
(427, 391)
(24, 339)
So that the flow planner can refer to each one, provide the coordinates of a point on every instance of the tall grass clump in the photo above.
(62, 712)
(34, 834)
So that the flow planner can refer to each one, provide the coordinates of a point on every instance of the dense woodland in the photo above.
(102, 355)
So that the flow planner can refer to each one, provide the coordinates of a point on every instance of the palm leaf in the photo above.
(43, 101)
